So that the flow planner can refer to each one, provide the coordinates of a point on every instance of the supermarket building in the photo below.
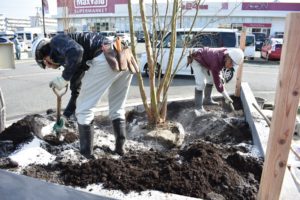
(103, 15)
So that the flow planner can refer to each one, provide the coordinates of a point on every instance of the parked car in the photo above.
(126, 38)
(4, 40)
(197, 38)
(249, 45)
(26, 39)
(279, 35)
(110, 35)
(259, 40)
(271, 49)
(140, 36)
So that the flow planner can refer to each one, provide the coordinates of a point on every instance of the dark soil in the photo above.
(18, 133)
(210, 165)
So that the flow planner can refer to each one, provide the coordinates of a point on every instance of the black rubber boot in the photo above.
(119, 127)
(199, 100)
(207, 95)
(86, 136)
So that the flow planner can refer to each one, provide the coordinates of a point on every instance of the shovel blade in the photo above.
(228, 107)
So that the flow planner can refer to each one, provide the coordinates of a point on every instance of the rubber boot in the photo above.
(86, 137)
(199, 100)
(207, 95)
(119, 128)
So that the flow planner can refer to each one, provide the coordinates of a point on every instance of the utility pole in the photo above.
(43, 12)
(37, 17)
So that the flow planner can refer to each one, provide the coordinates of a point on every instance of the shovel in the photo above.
(230, 108)
(262, 114)
(59, 123)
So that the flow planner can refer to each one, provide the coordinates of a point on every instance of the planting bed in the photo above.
(211, 157)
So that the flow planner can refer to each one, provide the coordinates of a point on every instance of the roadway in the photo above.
(26, 89)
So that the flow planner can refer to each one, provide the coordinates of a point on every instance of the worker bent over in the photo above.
(207, 64)
(88, 52)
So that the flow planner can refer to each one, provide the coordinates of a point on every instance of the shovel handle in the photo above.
(262, 114)
(60, 94)
(58, 97)
(232, 107)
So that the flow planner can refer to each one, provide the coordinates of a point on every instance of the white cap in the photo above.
(237, 56)
(37, 42)
(36, 46)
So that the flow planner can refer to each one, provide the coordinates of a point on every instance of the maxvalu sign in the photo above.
(90, 3)
(90, 6)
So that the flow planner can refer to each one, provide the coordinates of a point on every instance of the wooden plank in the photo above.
(2, 112)
(284, 115)
(260, 134)
(240, 69)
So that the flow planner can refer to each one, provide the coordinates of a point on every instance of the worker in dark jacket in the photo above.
(82, 53)
(75, 82)
(207, 64)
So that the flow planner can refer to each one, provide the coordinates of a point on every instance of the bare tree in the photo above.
(156, 107)
(66, 19)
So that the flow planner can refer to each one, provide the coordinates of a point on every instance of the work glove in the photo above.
(58, 83)
(228, 100)
(222, 79)
(189, 60)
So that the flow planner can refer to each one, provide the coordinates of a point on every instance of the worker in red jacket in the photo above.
(207, 64)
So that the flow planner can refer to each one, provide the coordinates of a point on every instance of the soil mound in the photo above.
(214, 161)
(199, 170)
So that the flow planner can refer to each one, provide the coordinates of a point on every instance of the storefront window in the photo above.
(256, 30)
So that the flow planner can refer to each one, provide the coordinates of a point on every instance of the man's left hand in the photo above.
(58, 83)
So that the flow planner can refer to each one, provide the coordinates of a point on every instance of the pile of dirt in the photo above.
(201, 170)
(214, 161)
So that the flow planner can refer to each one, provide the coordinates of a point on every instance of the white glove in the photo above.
(58, 83)
(228, 100)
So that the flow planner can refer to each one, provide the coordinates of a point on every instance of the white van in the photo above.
(250, 45)
(199, 37)
(26, 38)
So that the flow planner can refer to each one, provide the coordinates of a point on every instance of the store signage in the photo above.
(257, 25)
(90, 3)
(192, 5)
(255, 6)
(90, 6)
(271, 6)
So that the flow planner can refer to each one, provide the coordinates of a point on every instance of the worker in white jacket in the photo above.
(70, 51)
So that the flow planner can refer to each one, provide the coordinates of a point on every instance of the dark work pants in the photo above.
(75, 86)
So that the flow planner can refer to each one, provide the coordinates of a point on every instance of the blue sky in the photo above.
(25, 8)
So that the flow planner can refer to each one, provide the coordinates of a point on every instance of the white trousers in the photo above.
(95, 82)
(201, 75)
